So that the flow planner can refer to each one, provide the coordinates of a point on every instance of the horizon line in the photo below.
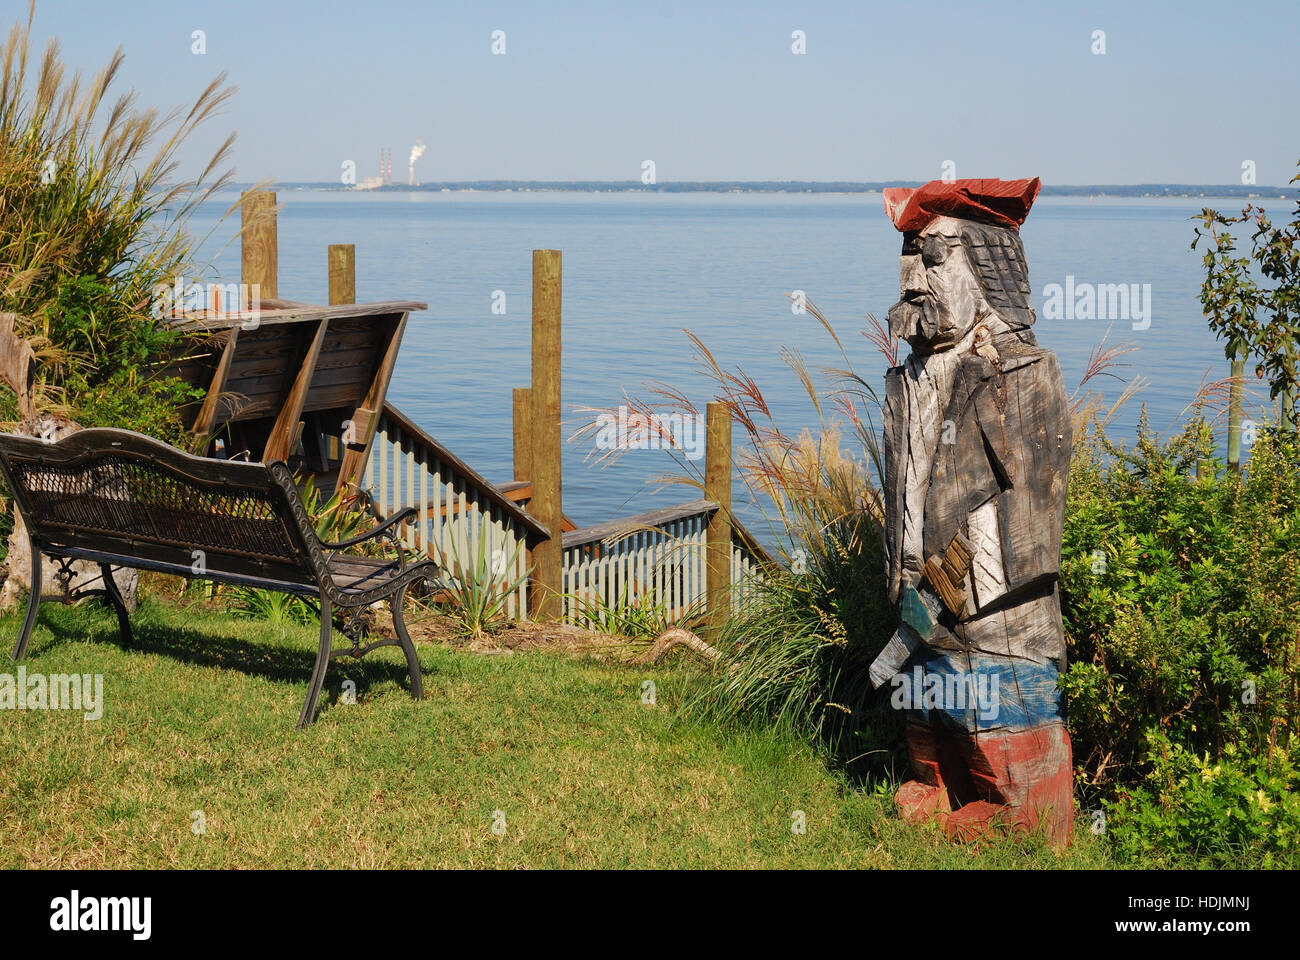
(841, 185)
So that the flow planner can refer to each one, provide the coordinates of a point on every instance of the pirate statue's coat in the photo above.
(977, 452)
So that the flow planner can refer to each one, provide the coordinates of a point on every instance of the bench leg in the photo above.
(119, 604)
(33, 602)
(322, 664)
(395, 604)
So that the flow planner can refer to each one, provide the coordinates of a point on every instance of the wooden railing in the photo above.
(659, 555)
(474, 529)
(464, 522)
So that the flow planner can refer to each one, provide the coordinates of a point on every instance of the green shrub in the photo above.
(1239, 808)
(1180, 598)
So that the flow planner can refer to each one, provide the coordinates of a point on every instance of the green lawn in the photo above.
(199, 716)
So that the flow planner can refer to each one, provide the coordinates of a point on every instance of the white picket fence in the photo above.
(659, 557)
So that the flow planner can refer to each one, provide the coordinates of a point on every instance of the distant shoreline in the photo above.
(1188, 191)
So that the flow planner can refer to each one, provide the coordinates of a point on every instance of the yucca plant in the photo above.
(336, 519)
(92, 217)
(476, 587)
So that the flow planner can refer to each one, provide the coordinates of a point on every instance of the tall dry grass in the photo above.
(93, 214)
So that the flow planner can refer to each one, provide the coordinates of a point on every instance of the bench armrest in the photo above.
(374, 531)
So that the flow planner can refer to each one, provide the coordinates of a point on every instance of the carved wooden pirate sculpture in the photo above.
(977, 453)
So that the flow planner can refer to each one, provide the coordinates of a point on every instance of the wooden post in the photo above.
(343, 273)
(717, 487)
(523, 415)
(259, 250)
(545, 593)
(1234, 416)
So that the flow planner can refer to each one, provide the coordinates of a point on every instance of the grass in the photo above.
(199, 716)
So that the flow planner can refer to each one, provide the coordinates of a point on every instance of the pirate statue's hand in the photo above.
(920, 611)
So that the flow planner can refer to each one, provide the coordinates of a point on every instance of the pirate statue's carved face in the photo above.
(941, 295)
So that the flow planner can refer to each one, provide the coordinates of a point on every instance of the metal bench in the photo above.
(118, 498)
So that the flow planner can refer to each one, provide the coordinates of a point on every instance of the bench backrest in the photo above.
(119, 492)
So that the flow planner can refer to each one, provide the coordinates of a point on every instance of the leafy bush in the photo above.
(1238, 808)
(1180, 598)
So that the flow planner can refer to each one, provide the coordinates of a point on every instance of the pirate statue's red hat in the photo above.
(1000, 203)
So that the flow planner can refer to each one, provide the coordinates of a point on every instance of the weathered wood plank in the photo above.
(355, 458)
(206, 421)
(305, 313)
(284, 431)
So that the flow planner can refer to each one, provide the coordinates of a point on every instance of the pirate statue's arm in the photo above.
(921, 609)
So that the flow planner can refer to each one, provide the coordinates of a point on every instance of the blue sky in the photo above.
(1185, 92)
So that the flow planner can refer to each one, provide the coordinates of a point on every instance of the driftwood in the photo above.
(17, 364)
(678, 637)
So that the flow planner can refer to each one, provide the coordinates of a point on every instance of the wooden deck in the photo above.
(292, 381)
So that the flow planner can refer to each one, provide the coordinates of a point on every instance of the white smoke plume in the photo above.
(417, 151)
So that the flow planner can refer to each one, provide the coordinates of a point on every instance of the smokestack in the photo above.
(417, 151)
